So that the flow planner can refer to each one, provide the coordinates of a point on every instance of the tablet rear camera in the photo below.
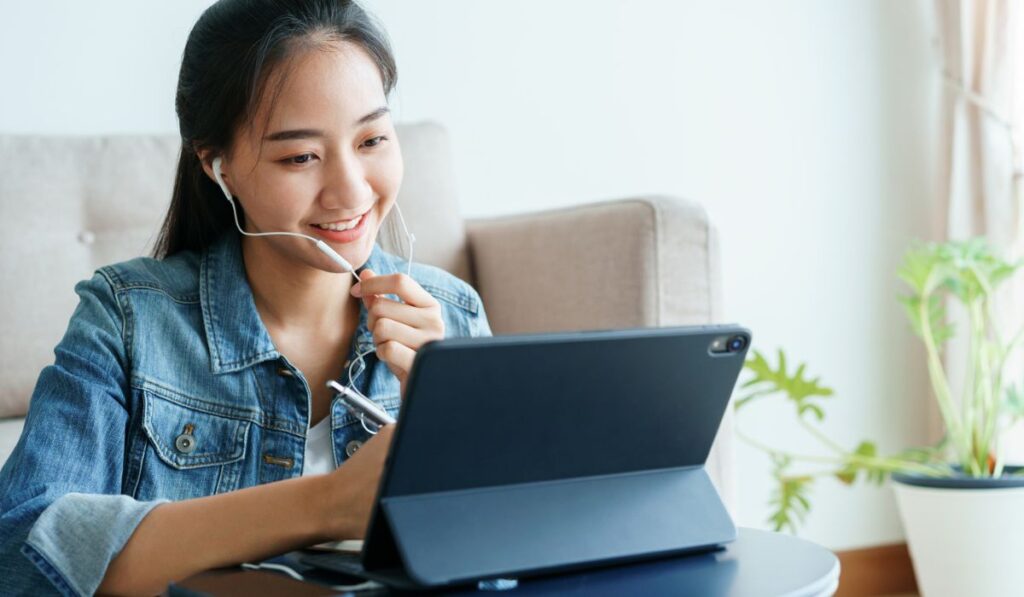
(737, 343)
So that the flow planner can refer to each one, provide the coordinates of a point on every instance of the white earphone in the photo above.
(324, 247)
(327, 250)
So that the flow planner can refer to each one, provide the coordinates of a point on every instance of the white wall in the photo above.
(805, 127)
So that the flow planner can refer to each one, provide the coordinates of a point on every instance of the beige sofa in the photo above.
(71, 204)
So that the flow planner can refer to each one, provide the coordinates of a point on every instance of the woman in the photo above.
(185, 423)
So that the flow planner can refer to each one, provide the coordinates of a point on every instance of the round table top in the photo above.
(758, 563)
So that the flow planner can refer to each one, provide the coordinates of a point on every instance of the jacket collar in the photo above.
(235, 335)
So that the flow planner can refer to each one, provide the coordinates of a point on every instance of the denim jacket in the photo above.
(167, 386)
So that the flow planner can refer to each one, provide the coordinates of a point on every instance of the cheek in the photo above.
(389, 173)
(278, 197)
(386, 182)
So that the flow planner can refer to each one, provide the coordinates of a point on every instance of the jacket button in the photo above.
(352, 447)
(285, 372)
(185, 443)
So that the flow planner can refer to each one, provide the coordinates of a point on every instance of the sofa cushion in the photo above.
(69, 205)
(10, 431)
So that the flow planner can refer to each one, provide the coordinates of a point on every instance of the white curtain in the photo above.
(981, 165)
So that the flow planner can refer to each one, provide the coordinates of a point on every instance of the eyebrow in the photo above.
(312, 133)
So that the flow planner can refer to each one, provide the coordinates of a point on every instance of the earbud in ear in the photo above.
(217, 161)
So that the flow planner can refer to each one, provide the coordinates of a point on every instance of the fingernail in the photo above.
(356, 290)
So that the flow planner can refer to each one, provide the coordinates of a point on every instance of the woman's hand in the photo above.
(399, 328)
(354, 487)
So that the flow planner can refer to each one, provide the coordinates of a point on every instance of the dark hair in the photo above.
(229, 57)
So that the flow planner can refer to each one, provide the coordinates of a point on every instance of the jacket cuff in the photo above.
(74, 540)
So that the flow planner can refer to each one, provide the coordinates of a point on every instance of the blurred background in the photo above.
(812, 132)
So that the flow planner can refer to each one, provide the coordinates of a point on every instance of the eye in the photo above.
(375, 141)
(299, 159)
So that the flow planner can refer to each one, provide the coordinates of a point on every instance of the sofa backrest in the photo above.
(69, 205)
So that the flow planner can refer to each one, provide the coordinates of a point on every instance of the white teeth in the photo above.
(337, 226)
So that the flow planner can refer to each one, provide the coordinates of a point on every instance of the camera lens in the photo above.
(736, 343)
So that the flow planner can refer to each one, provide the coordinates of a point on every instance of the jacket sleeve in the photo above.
(478, 324)
(62, 515)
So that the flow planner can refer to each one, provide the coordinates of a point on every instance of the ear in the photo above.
(206, 158)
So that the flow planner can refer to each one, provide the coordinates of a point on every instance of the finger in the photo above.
(388, 330)
(369, 300)
(364, 274)
(397, 356)
(356, 289)
(427, 318)
(400, 285)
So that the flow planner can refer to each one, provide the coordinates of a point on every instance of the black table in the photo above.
(758, 563)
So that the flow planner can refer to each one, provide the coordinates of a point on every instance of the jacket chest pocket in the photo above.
(190, 452)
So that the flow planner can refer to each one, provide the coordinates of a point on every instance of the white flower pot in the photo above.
(966, 536)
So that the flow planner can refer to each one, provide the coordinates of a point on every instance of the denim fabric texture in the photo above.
(167, 386)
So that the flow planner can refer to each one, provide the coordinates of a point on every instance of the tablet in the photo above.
(532, 454)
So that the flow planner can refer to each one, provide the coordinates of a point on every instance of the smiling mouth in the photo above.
(342, 224)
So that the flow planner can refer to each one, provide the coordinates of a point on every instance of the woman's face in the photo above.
(327, 162)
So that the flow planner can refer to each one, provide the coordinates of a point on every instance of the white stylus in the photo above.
(361, 407)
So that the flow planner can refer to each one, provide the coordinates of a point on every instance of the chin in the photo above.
(360, 254)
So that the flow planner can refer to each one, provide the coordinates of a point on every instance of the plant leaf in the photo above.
(1013, 402)
(941, 331)
(790, 500)
(916, 270)
(848, 474)
(968, 270)
(766, 380)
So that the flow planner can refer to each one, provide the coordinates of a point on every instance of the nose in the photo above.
(346, 183)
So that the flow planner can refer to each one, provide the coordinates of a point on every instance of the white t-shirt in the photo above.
(319, 457)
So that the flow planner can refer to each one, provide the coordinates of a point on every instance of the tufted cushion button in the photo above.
(86, 237)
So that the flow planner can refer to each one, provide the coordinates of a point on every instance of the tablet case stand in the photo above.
(449, 537)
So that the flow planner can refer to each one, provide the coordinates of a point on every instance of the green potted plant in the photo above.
(962, 507)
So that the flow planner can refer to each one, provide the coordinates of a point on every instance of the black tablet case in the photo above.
(521, 455)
